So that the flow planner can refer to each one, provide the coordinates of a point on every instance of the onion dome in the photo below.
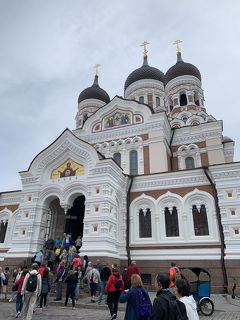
(145, 72)
(181, 68)
(226, 139)
(94, 92)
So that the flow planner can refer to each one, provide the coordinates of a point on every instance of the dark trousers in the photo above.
(19, 302)
(112, 301)
(43, 299)
(93, 287)
(70, 293)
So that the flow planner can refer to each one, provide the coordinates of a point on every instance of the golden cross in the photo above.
(144, 45)
(96, 67)
(177, 42)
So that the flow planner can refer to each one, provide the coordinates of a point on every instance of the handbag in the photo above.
(15, 287)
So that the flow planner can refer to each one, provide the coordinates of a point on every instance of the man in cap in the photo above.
(31, 289)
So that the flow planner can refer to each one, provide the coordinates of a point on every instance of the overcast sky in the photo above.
(49, 48)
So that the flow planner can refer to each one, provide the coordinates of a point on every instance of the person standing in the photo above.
(94, 280)
(19, 298)
(104, 276)
(46, 287)
(17, 273)
(78, 243)
(130, 296)
(61, 274)
(165, 305)
(78, 274)
(182, 291)
(5, 282)
(31, 289)
(113, 288)
(174, 273)
(71, 282)
(132, 269)
(2, 279)
(39, 258)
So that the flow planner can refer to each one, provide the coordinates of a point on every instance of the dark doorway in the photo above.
(74, 218)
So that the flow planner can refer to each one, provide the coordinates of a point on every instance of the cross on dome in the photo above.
(96, 67)
(177, 43)
(144, 45)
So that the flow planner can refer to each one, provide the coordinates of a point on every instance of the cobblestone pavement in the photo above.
(7, 311)
(225, 309)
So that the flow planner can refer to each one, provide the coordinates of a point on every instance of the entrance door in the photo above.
(74, 218)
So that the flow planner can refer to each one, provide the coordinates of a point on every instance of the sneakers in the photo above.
(114, 316)
(18, 314)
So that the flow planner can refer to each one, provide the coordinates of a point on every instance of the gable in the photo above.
(119, 113)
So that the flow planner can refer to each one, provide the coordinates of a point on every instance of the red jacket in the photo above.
(19, 282)
(114, 277)
(132, 269)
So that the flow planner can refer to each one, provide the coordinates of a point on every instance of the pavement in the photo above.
(225, 309)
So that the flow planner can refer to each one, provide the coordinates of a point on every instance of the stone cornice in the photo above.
(126, 132)
(170, 180)
(204, 131)
(143, 85)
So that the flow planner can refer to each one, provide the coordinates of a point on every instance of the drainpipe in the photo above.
(170, 146)
(219, 220)
(128, 220)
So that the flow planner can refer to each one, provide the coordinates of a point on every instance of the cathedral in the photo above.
(147, 177)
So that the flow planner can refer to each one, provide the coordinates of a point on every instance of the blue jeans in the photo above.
(19, 302)
(102, 287)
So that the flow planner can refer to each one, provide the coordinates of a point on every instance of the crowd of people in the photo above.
(104, 282)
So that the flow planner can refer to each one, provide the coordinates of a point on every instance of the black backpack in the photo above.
(31, 285)
(174, 310)
(118, 284)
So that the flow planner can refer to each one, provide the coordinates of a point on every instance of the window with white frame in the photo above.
(171, 222)
(117, 158)
(189, 161)
(133, 165)
(200, 220)
(145, 224)
(189, 157)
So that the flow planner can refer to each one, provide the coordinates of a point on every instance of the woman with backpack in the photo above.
(113, 288)
(139, 305)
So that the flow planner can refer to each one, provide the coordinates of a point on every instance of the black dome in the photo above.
(145, 72)
(94, 92)
(181, 68)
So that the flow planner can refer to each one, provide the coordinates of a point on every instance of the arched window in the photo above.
(157, 102)
(200, 221)
(133, 162)
(189, 161)
(196, 99)
(3, 230)
(141, 99)
(171, 222)
(145, 225)
(183, 99)
(85, 116)
(117, 158)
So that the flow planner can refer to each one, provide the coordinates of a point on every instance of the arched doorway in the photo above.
(74, 217)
